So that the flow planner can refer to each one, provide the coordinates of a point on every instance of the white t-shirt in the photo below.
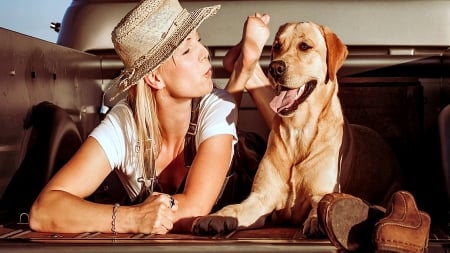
(116, 134)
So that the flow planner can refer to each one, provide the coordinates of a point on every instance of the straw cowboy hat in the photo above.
(148, 35)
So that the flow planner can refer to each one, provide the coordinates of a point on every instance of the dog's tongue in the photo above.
(283, 100)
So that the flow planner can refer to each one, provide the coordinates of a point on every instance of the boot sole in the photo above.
(349, 222)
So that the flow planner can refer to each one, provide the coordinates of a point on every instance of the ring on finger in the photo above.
(171, 202)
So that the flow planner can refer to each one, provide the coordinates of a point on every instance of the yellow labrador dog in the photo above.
(311, 149)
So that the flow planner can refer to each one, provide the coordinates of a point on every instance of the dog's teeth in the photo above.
(300, 91)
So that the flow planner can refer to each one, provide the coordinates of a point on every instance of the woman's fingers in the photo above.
(157, 214)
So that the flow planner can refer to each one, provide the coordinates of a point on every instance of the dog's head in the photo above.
(304, 56)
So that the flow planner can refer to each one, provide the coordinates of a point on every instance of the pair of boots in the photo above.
(352, 224)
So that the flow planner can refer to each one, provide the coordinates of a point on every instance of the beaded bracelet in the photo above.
(114, 216)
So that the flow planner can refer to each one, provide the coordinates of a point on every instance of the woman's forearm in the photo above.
(59, 211)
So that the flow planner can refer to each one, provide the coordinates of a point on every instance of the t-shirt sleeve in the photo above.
(111, 136)
(218, 115)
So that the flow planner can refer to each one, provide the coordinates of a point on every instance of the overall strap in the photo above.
(189, 142)
(190, 149)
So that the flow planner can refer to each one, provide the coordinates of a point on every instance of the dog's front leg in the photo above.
(269, 192)
(311, 225)
(325, 182)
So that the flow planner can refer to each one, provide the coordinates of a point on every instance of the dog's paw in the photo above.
(311, 228)
(214, 225)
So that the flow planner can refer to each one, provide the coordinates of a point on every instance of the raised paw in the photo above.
(214, 225)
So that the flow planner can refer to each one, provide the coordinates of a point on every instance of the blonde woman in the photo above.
(143, 137)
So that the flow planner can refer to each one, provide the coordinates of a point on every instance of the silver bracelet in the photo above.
(114, 216)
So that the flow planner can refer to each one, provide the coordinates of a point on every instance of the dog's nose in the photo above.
(277, 69)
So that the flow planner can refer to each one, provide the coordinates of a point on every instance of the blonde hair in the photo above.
(142, 101)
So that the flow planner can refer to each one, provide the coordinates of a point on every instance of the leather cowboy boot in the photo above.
(405, 228)
(348, 221)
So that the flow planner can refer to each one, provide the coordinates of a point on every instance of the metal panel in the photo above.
(376, 22)
(33, 71)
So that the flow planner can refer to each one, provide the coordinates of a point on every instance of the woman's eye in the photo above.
(186, 51)
(191, 44)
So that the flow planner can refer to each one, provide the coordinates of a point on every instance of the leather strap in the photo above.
(189, 142)
(189, 146)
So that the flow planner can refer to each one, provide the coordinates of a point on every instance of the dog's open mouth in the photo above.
(287, 100)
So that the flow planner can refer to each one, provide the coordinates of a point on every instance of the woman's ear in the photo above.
(154, 81)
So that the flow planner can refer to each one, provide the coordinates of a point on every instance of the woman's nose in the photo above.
(204, 54)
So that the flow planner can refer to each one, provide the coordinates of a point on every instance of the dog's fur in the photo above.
(311, 149)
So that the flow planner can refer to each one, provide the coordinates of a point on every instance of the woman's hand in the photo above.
(155, 215)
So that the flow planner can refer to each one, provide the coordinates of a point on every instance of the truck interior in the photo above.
(396, 80)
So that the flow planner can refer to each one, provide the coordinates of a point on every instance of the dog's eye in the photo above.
(276, 46)
(303, 46)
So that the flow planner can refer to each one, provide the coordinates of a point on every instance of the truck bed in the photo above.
(20, 238)
(395, 80)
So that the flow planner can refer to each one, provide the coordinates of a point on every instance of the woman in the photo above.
(142, 138)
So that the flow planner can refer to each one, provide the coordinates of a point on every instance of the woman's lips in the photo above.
(208, 73)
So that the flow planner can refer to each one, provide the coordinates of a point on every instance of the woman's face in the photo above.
(188, 73)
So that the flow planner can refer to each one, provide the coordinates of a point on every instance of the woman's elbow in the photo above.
(39, 219)
(34, 220)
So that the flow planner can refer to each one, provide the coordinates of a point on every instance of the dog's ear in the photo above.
(336, 52)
